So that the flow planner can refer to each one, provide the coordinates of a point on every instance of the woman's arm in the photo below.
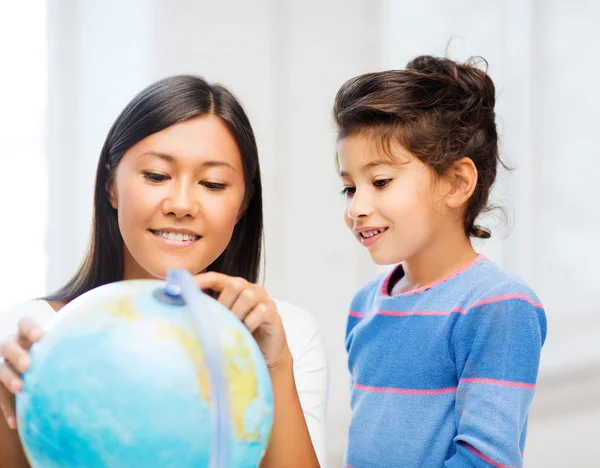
(14, 350)
(311, 377)
(290, 444)
(11, 451)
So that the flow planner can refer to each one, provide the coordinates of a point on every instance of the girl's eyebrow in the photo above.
(369, 165)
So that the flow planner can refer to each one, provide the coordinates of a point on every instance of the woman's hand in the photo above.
(253, 306)
(14, 360)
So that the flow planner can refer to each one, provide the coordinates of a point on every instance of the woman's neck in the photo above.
(56, 305)
(132, 270)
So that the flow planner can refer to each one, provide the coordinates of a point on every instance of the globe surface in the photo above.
(121, 380)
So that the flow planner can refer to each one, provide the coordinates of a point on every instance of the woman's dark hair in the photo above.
(438, 109)
(165, 103)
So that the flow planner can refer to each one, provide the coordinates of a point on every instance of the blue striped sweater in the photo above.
(443, 376)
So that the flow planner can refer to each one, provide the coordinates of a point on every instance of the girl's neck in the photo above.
(438, 260)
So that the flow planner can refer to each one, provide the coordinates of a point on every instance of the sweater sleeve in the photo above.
(497, 346)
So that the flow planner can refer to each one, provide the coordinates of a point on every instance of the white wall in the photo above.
(23, 167)
(97, 61)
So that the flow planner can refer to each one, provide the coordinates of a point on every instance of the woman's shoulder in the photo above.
(299, 324)
(38, 309)
(302, 331)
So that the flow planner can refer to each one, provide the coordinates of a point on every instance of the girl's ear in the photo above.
(463, 177)
(110, 188)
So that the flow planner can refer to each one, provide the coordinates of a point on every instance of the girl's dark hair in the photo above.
(165, 103)
(438, 109)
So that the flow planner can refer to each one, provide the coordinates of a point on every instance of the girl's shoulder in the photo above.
(494, 281)
(38, 309)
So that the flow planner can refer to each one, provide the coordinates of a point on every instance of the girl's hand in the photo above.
(14, 360)
(253, 306)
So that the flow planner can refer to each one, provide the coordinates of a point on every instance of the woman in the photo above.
(178, 186)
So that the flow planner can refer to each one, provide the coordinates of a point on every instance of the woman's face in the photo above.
(179, 194)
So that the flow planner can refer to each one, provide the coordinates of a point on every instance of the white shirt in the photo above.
(304, 340)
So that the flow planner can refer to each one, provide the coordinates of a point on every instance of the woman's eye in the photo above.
(347, 191)
(381, 182)
(214, 186)
(154, 177)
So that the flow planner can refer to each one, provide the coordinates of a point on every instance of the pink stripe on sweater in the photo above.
(358, 314)
(507, 297)
(483, 457)
(393, 313)
(503, 383)
(405, 391)
(386, 283)
(458, 310)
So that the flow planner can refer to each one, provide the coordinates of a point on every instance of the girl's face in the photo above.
(179, 194)
(394, 210)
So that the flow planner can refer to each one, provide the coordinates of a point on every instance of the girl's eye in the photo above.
(381, 183)
(154, 177)
(348, 191)
(215, 186)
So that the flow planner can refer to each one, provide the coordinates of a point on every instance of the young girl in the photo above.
(443, 352)
(178, 186)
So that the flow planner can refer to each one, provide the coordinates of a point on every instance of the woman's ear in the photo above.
(463, 180)
(110, 188)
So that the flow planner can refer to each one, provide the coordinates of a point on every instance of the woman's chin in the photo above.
(163, 272)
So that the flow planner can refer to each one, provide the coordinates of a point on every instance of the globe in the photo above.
(122, 379)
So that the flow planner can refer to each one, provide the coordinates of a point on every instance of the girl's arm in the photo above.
(497, 350)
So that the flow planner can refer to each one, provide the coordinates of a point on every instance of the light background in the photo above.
(69, 67)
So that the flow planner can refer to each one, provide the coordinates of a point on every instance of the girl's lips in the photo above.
(369, 241)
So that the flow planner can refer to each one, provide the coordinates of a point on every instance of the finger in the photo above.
(29, 332)
(227, 287)
(15, 355)
(257, 317)
(247, 300)
(7, 404)
(10, 379)
(212, 280)
(232, 291)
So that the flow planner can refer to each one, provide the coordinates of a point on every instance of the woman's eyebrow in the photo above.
(169, 158)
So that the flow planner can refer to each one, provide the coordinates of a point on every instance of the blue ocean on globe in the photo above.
(121, 380)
